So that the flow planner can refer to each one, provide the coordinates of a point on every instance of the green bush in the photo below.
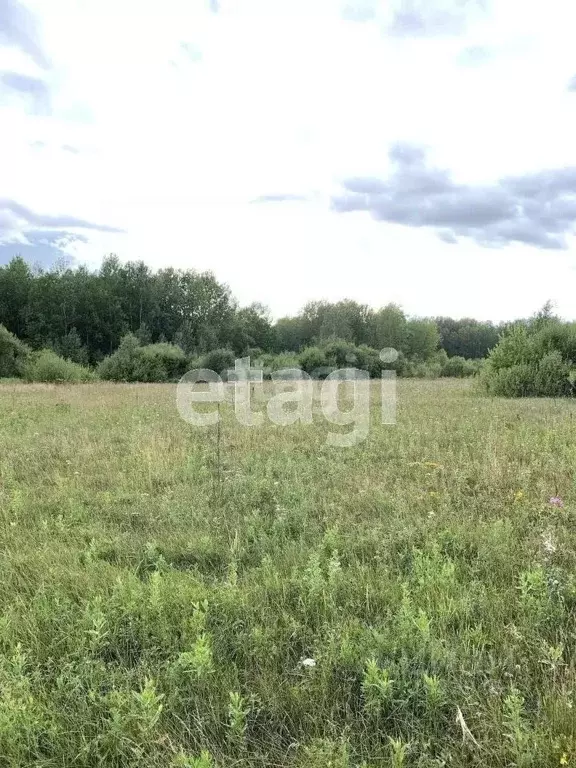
(219, 360)
(121, 365)
(459, 368)
(418, 370)
(516, 347)
(553, 376)
(271, 363)
(161, 362)
(151, 363)
(47, 366)
(313, 359)
(532, 360)
(13, 354)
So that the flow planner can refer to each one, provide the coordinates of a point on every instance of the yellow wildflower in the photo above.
(564, 759)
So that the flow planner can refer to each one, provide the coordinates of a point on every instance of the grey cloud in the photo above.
(32, 89)
(448, 237)
(537, 208)
(13, 215)
(431, 18)
(18, 29)
(279, 198)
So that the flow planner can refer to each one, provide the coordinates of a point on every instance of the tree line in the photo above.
(83, 315)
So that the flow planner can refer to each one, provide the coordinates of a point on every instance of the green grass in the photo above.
(156, 612)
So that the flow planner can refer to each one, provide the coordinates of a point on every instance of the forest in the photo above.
(83, 316)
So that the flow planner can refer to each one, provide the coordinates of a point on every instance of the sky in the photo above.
(412, 151)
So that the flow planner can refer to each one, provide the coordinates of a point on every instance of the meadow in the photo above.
(250, 597)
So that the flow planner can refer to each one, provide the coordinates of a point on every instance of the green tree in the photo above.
(422, 339)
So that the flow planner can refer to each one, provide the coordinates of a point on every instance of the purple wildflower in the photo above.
(556, 501)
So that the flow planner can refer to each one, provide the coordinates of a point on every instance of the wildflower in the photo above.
(519, 495)
(556, 501)
(310, 663)
(433, 465)
(564, 759)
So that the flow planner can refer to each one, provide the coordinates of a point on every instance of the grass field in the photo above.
(156, 608)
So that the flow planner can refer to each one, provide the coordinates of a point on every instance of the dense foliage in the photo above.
(151, 362)
(47, 366)
(13, 354)
(535, 359)
(83, 316)
(132, 324)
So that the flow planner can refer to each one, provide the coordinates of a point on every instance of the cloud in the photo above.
(18, 29)
(69, 148)
(360, 10)
(431, 18)
(537, 209)
(14, 217)
(43, 248)
(32, 89)
(214, 5)
(191, 51)
(572, 84)
(279, 198)
(475, 55)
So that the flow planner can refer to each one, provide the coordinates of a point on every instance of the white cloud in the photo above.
(290, 98)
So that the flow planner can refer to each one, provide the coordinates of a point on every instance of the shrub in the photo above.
(152, 363)
(553, 376)
(160, 362)
(271, 363)
(219, 360)
(313, 359)
(532, 360)
(418, 370)
(13, 354)
(516, 347)
(47, 366)
(121, 365)
(343, 354)
(459, 368)
(513, 381)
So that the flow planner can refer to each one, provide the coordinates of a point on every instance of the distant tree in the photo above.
(467, 337)
(70, 347)
(388, 328)
(252, 327)
(422, 339)
(291, 334)
(16, 280)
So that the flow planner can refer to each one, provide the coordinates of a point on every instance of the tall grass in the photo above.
(408, 602)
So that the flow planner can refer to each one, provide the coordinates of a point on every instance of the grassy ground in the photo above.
(153, 609)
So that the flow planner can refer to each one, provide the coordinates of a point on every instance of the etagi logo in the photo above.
(293, 397)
